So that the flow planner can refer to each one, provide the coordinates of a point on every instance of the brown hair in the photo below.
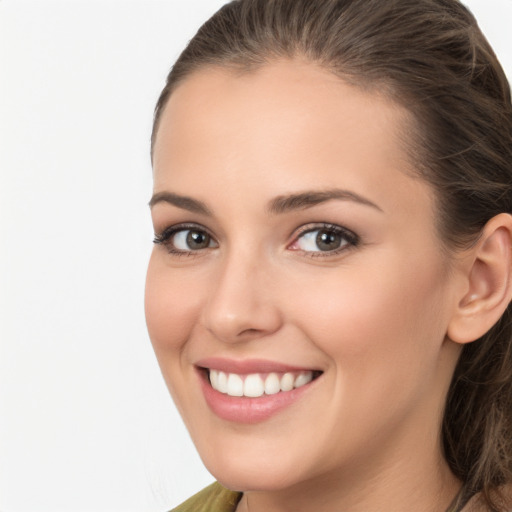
(431, 57)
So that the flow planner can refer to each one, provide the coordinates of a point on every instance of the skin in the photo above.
(372, 317)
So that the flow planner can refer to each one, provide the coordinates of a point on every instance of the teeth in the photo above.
(214, 379)
(272, 384)
(222, 383)
(235, 385)
(255, 385)
(303, 379)
(287, 381)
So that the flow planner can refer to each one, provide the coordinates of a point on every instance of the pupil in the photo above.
(328, 241)
(197, 240)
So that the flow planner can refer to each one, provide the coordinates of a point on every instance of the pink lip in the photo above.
(244, 409)
(247, 366)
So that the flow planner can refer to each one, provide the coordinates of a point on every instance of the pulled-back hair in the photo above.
(430, 57)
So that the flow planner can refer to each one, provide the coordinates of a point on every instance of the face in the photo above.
(297, 294)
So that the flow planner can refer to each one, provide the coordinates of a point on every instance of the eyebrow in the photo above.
(278, 205)
(310, 198)
(184, 202)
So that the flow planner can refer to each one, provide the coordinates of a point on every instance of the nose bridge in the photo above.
(240, 304)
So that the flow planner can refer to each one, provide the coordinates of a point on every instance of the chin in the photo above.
(253, 479)
(247, 472)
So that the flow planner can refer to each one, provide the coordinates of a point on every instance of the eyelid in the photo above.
(352, 239)
(349, 236)
(163, 237)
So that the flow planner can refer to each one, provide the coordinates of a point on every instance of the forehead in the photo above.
(274, 102)
(288, 124)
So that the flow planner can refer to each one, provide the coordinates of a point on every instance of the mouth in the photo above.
(255, 385)
(253, 391)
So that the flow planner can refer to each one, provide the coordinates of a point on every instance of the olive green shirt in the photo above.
(213, 498)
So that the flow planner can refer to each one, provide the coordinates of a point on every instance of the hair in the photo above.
(430, 57)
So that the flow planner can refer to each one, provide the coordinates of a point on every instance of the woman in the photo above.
(329, 293)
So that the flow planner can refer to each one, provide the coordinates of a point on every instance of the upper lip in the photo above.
(248, 366)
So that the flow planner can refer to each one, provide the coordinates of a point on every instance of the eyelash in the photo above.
(351, 239)
(164, 238)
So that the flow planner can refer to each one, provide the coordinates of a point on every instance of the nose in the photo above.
(241, 305)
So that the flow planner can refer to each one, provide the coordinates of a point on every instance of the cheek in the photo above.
(383, 333)
(371, 320)
(171, 308)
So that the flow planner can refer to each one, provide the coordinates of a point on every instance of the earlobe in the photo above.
(489, 282)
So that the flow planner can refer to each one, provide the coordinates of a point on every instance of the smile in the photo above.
(255, 385)
(252, 391)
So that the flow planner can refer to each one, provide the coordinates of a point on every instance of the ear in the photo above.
(488, 282)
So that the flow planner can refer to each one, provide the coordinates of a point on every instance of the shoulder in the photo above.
(213, 498)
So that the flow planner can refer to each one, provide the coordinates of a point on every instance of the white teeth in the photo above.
(255, 385)
(303, 379)
(222, 383)
(214, 379)
(272, 384)
(235, 385)
(287, 382)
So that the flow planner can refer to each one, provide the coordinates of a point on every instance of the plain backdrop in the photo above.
(86, 423)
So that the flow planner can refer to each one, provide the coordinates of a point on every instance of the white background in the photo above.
(86, 423)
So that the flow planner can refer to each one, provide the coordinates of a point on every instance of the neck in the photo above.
(420, 484)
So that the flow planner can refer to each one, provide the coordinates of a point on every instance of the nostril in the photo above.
(249, 331)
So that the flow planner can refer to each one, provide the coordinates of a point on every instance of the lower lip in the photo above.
(249, 410)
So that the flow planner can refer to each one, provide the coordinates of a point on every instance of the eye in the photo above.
(329, 239)
(191, 240)
(183, 239)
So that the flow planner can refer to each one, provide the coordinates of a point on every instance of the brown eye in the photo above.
(183, 239)
(190, 240)
(328, 240)
(321, 240)
(324, 240)
(196, 240)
